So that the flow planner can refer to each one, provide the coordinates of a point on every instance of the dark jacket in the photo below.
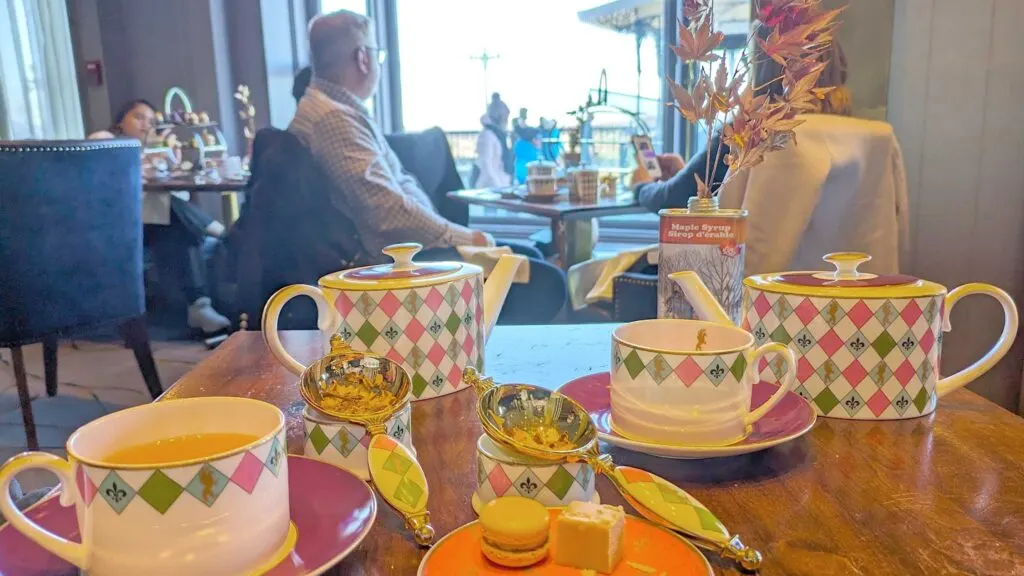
(288, 231)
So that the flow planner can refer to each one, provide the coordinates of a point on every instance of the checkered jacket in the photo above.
(387, 205)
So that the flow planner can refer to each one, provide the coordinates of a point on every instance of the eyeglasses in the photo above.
(382, 53)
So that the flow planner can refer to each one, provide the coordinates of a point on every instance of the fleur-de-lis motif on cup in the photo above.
(116, 493)
(908, 344)
(717, 371)
(438, 380)
(761, 335)
(902, 402)
(398, 432)
(803, 341)
(346, 333)
(435, 328)
(857, 344)
(852, 403)
(391, 333)
(274, 455)
(528, 485)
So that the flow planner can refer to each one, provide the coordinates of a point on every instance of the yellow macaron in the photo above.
(514, 531)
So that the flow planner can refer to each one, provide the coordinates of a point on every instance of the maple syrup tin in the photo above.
(709, 241)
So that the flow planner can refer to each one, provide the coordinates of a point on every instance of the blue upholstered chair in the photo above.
(70, 251)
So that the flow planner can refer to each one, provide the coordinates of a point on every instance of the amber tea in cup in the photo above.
(178, 448)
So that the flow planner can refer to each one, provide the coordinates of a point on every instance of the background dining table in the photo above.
(941, 494)
(228, 190)
(572, 223)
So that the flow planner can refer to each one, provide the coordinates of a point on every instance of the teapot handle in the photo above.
(993, 356)
(327, 320)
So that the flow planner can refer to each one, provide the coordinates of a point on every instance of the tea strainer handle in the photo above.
(400, 481)
(666, 504)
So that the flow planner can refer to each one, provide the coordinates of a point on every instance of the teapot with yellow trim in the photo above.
(867, 346)
(433, 318)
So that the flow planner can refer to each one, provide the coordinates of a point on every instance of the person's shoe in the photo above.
(202, 316)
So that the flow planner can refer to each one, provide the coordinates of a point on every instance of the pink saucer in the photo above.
(791, 418)
(329, 528)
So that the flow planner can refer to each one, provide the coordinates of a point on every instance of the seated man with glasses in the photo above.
(386, 204)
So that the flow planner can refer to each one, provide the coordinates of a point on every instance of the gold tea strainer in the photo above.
(367, 389)
(547, 425)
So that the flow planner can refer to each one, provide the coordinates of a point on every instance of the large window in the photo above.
(38, 88)
(544, 56)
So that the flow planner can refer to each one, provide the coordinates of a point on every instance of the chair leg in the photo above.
(137, 338)
(21, 381)
(50, 364)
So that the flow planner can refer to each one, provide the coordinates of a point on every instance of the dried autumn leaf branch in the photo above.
(797, 34)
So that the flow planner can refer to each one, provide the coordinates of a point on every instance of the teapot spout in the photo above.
(703, 301)
(496, 289)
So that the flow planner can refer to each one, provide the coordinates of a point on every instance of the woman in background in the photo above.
(173, 228)
(678, 185)
(494, 161)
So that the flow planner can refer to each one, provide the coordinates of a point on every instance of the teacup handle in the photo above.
(400, 480)
(986, 362)
(73, 552)
(327, 321)
(787, 379)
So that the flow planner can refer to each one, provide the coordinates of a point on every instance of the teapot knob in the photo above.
(403, 254)
(846, 264)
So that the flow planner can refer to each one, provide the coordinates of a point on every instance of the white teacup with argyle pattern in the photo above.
(688, 382)
(225, 513)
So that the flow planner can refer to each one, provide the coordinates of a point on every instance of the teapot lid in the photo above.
(401, 273)
(845, 281)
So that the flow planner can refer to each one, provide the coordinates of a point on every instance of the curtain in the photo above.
(38, 85)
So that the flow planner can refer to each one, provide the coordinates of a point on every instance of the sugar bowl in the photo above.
(503, 472)
(344, 444)
(369, 390)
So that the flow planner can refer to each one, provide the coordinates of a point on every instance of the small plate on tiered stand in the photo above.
(331, 512)
(791, 418)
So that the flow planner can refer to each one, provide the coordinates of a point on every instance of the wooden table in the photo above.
(572, 223)
(228, 190)
(937, 495)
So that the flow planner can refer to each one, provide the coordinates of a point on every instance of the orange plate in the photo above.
(458, 554)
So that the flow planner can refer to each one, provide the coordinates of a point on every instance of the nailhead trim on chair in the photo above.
(98, 145)
(628, 280)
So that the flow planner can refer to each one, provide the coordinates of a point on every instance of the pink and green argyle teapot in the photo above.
(867, 346)
(433, 318)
